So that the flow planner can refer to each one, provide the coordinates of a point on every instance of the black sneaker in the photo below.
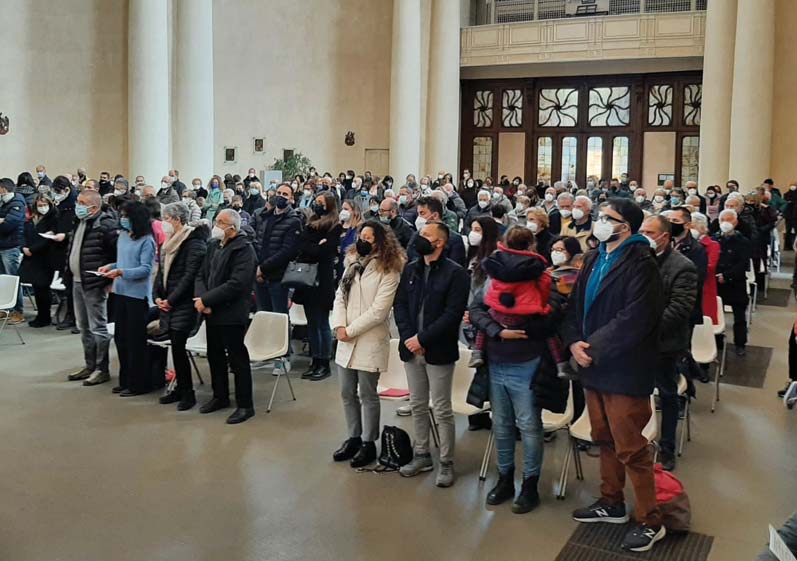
(602, 512)
(667, 460)
(740, 350)
(642, 537)
(782, 392)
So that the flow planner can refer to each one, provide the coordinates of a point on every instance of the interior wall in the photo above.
(784, 115)
(301, 74)
(64, 85)
(658, 157)
(585, 68)
(511, 154)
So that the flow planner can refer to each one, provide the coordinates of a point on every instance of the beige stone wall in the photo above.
(64, 85)
(784, 109)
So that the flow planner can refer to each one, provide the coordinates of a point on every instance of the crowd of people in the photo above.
(599, 285)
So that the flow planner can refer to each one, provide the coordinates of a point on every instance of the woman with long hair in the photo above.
(318, 244)
(351, 217)
(132, 274)
(37, 260)
(214, 200)
(360, 319)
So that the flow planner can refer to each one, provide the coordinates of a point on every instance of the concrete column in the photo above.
(443, 114)
(751, 109)
(193, 89)
(715, 119)
(149, 142)
(405, 90)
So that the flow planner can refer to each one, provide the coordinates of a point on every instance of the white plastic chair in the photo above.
(394, 378)
(297, 315)
(267, 338)
(582, 430)
(751, 281)
(9, 290)
(719, 329)
(686, 425)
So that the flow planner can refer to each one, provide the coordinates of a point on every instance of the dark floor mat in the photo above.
(750, 370)
(775, 297)
(601, 542)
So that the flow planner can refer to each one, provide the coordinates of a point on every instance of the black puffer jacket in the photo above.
(322, 296)
(696, 253)
(278, 239)
(679, 277)
(66, 225)
(38, 268)
(179, 286)
(735, 253)
(225, 280)
(98, 249)
(403, 231)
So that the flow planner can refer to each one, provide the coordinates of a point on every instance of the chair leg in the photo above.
(655, 446)
(689, 421)
(196, 369)
(563, 476)
(274, 392)
(290, 385)
(433, 429)
(579, 466)
(19, 334)
(488, 450)
(683, 428)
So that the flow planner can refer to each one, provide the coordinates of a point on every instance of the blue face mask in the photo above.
(81, 211)
(254, 192)
(124, 222)
(214, 186)
(675, 201)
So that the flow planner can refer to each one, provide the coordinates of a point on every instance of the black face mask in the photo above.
(281, 202)
(103, 182)
(364, 248)
(676, 230)
(319, 209)
(423, 246)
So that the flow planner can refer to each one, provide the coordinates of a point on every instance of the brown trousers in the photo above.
(617, 423)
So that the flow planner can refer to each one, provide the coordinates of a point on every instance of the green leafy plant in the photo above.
(298, 164)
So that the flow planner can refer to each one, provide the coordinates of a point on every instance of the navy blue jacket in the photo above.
(12, 228)
(622, 326)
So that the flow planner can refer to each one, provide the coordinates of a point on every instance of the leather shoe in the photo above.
(214, 405)
(171, 397)
(81, 374)
(65, 325)
(322, 373)
(348, 449)
(117, 389)
(314, 366)
(127, 392)
(187, 401)
(240, 415)
(97, 378)
(365, 455)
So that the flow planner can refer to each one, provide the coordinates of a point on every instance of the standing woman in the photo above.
(351, 217)
(37, 263)
(135, 257)
(214, 199)
(181, 257)
(712, 247)
(360, 319)
(318, 244)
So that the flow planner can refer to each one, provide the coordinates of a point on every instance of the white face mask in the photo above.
(549, 198)
(653, 245)
(558, 257)
(345, 215)
(695, 233)
(474, 238)
(692, 192)
(640, 199)
(217, 233)
(792, 187)
(658, 199)
(520, 207)
(566, 213)
(119, 192)
(167, 228)
(533, 226)
(420, 222)
(496, 196)
(726, 227)
(483, 204)
(43, 209)
(578, 214)
(5, 197)
(603, 230)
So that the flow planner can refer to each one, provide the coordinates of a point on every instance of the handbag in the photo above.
(300, 275)
(479, 389)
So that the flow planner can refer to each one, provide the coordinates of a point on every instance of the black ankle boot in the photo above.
(503, 490)
(365, 455)
(347, 450)
(323, 371)
(187, 401)
(171, 397)
(528, 499)
(314, 366)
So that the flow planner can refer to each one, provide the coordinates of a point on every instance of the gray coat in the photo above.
(679, 276)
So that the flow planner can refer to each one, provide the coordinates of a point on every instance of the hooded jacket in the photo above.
(520, 285)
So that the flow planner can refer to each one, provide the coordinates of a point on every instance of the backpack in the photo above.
(676, 513)
(396, 449)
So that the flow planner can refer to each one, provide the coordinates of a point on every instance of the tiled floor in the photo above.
(87, 476)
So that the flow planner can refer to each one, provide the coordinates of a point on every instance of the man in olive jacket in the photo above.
(223, 292)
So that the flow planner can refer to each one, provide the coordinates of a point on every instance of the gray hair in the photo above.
(729, 212)
(564, 197)
(485, 193)
(235, 218)
(122, 181)
(700, 219)
(177, 210)
(440, 196)
(586, 200)
(735, 195)
(229, 192)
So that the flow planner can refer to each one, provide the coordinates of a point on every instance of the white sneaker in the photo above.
(403, 411)
(790, 396)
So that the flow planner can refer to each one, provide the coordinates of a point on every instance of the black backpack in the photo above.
(396, 449)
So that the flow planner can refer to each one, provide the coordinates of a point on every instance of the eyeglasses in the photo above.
(605, 218)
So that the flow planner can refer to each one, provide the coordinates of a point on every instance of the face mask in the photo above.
(319, 209)
(520, 207)
(40, 174)
(81, 211)
(217, 233)
(566, 213)
(533, 226)
(294, 186)
(124, 222)
(471, 184)
(711, 194)
(384, 219)
(695, 233)
(119, 192)
(667, 192)
(653, 245)
(676, 229)
(483, 204)
(403, 199)
(675, 201)
(281, 202)
(194, 187)
(792, 187)
(363, 193)
(420, 222)
(658, 199)
(254, 192)
(692, 192)
(374, 209)
(496, 196)
(308, 193)
(237, 207)
(214, 186)
(251, 174)
(558, 257)
(726, 227)
(578, 214)
(640, 199)
(516, 183)
(345, 215)
(548, 198)
(423, 246)
(474, 238)
(43, 209)
(603, 231)
(44, 189)
(439, 177)
(6, 197)
(364, 248)
(59, 197)
(164, 185)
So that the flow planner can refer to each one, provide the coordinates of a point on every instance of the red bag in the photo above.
(676, 512)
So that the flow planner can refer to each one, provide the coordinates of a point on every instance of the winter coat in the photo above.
(323, 295)
(254, 202)
(38, 269)
(519, 283)
(66, 225)
(455, 249)
(474, 212)
(680, 281)
(278, 235)
(712, 248)
(168, 195)
(735, 254)
(582, 234)
(225, 280)
(696, 253)
(403, 231)
(12, 227)
(365, 317)
(178, 290)
(444, 297)
(98, 249)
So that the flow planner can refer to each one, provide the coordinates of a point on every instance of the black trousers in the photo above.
(70, 300)
(226, 344)
(43, 302)
(792, 355)
(182, 366)
(739, 324)
(667, 382)
(130, 336)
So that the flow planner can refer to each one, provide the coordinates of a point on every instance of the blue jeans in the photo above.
(271, 296)
(9, 265)
(513, 404)
(318, 332)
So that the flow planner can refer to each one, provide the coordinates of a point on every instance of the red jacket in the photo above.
(519, 284)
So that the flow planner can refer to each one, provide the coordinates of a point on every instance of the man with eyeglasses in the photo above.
(389, 216)
(612, 330)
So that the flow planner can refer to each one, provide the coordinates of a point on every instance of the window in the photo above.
(660, 105)
(483, 108)
(609, 107)
(595, 156)
(569, 158)
(482, 157)
(544, 159)
(690, 158)
(512, 114)
(619, 156)
(558, 107)
(693, 99)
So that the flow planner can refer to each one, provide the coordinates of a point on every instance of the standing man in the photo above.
(430, 303)
(223, 290)
(177, 185)
(612, 329)
(105, 185)
(679, 277)
(167, 193)
(581, 225)
(735, 253)
(430, 209)
(93, 245)
(12, 224)
(389, 216)
(41, 173)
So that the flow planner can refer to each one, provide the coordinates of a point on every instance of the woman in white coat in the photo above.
(360, 322)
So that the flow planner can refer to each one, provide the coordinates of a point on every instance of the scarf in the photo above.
(354, 269)
(170, 248)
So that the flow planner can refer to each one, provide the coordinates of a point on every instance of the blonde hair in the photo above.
(540, 215)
